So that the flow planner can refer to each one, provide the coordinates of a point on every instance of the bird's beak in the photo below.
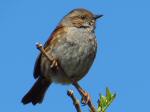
(97, 16)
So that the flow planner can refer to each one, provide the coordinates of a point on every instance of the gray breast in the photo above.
(76, 52)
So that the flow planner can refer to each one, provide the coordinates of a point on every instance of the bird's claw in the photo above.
(85, 99)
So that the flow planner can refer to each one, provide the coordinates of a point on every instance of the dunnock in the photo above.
(72, 45)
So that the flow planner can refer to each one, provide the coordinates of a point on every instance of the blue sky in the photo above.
(122, 62)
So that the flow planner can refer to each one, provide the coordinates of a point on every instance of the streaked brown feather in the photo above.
(37, 70)
(57, 30)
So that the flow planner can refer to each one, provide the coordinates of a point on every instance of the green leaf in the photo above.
(105, 101)
(108, 94)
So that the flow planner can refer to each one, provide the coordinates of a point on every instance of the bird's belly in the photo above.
(75, 54)
(76, 57)
(76, 60)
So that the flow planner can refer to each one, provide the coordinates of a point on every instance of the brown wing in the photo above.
(37, 70)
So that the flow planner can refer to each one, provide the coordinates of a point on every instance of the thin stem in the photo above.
(75, 101)
(40, 47)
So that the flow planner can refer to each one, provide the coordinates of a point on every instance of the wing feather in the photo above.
(37, 70)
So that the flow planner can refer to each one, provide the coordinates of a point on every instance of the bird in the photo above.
(72, 48)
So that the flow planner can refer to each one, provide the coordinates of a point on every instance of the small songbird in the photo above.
(72, 47)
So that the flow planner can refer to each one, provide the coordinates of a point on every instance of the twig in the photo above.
(40, 47)
(75, 101)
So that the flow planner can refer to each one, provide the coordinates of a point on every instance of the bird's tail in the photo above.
(37, 92)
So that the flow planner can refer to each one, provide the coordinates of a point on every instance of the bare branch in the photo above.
(40, 47)
(75, 101)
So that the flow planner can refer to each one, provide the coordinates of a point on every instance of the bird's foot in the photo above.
(85, 98)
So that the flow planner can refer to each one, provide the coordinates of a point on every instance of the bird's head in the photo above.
(80, 18)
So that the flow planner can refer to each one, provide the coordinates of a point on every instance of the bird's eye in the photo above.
(83, 17)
